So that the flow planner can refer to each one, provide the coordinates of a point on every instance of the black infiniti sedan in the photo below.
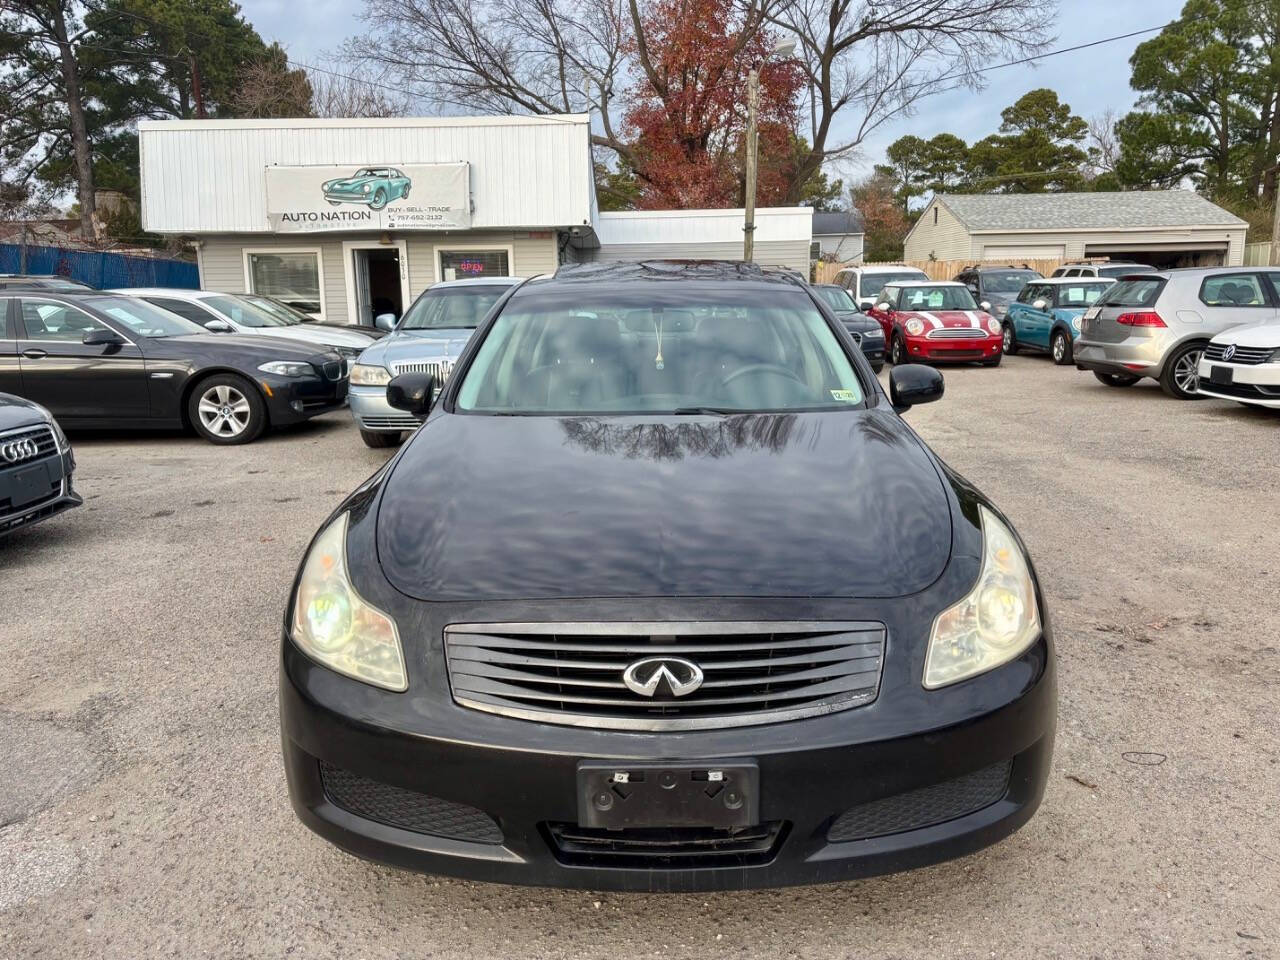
(109, 361)
(665, 595)
(865, 331)
(36, 464)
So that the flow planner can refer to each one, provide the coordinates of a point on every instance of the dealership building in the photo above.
(349, 218)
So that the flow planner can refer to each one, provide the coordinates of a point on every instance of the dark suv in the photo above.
(665, 595)
(995, 287)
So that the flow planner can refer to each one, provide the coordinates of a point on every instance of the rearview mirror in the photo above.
(218, 326)
(101, 337)
(411, 392)
(385, 321)
(914, 383)
(1039, 305)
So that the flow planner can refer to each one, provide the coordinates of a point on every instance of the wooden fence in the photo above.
(825, 271)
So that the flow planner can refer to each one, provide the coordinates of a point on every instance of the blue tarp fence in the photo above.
(101, 270)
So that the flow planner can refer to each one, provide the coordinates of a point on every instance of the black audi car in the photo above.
(103, 360)
(36, 465)
(865, 331)
(665, 595)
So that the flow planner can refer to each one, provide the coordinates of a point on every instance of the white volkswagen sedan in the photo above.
(1243, 364)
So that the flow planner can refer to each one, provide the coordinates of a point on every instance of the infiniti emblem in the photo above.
(16, 450)
(644, 677)
(1230, 352)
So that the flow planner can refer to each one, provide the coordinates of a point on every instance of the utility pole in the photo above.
(196, 89)
(753, 104)
(1274, 259)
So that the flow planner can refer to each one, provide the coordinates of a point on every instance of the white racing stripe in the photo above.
(934, 321)
(973, 319)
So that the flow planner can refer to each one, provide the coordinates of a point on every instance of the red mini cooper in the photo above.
(936, 323)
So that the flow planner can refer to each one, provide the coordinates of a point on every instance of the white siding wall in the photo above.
(945, 240)
(846, 249)
(209, 176)
(222, 258)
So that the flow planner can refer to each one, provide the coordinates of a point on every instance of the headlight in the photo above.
(876, 334)
(365, 188)
(287, 368)
(369, 375)
(996, 622)
(335, 626)
(1075, 323)
(915, 327)
(993, 325)
(59, 438)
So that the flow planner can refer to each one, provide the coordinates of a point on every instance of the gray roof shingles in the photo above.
(1049, 211)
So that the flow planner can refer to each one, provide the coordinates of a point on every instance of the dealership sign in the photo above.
(423, 196)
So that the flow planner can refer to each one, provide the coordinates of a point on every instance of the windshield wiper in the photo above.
(706, 411)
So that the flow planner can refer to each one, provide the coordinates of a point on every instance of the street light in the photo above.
(784, 49)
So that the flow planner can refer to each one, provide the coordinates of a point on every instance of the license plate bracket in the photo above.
(628, 795)
(1221, 374)
(29, 485)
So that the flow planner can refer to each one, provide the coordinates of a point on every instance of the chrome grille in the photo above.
(757, 672)
(439, 369)
(857, 337)
(42, 438)
(337, 369)
(1248, 355)
(955, 333)
(405, 422)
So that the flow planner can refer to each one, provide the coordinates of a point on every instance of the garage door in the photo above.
(1039, 251)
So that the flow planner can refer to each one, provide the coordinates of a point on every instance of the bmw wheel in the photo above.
(1010, 341)
(226, 409)
(1060, 347)
(379, 199)
(1182, 372)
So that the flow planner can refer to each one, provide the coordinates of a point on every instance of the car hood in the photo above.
(858, 321)
(347, 184)
(842, 504)
(1253, 335)
(16, 412)
(402, 346)
(935, 319)
(237, 344)
(999, 302)
(322, 336)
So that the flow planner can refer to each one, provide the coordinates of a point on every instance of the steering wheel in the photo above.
(775, 369)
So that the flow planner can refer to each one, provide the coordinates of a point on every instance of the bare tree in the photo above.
(269, 88)
(356, 88)
(1103, 144)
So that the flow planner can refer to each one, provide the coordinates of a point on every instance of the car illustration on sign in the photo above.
(375, 186)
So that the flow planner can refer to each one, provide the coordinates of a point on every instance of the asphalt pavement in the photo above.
(143, 810)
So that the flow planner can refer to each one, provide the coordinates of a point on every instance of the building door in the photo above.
(377, 277)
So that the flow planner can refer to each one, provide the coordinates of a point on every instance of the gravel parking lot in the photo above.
(143, 809)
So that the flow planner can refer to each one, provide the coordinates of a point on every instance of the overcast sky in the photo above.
(1089, 80)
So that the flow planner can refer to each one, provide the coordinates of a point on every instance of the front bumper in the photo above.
(371, 412)
(340, 196)
(416, 781)
(61, 495)
(953, 351)
(1256, 383)
(294, 399)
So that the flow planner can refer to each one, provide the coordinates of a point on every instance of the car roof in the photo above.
(665, 270)
(885, 268)
(925, 283)
(1061, 281)
(1004, 267)
(176, 292)
(478, 281)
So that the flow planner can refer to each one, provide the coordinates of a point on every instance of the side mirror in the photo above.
(866, 304)
(883, 306)
(914, 383)
(411, 392)
(101, 337)
(1041, 304)
(985, 305)
(218, 326)
(385, 321)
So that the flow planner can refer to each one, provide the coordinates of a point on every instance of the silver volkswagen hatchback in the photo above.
(1157, 324)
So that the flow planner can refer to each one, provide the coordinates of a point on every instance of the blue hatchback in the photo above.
(1046, 315)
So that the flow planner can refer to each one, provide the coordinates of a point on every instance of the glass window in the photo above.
(936, 298)
(835, 298)
(50, 320)
(1124, 269)
(285, 312)
(1233, 290)
(451, 308)
(641, 349)
(1081, 294)
(244, 313)
(461, 264)
(291, 277)
(183, 309)
(1006, 281)
(876, 282)
(1133, 293)
(143, 319)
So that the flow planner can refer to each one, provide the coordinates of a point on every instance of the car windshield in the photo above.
(451, 308)
(142, 319)
(1080, 294)
(875, 282)
(1132, 293)
(639, 348)
(246, 314)
(936, 298)
(1123, 269)
(282, 310)
(837, 298)
(1006, 281)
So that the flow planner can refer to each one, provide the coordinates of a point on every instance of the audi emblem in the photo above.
(16, 450)
(1230, 352)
